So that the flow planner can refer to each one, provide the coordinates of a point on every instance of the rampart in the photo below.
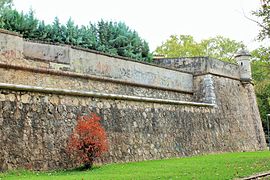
(181, 107)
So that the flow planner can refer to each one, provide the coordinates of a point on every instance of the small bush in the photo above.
(88, 140)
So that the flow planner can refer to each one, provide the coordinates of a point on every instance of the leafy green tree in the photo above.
(221, 48)
(71, 33)
(106, 32)
(57, 31)
(263, 13)
(106, 36)
(118, 39)
(185, 46)
(24, 24)
(180, 46)
(89, 37)
(261, 77)
(42, 32)
(5, 4)
(261, 61)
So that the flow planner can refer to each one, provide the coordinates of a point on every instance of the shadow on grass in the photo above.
(25, 172)
(82, 168)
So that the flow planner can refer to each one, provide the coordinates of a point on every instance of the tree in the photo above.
(261, 77)
(106, 36)
(88, 140)
(118, 39)
(89, 37)
(180, 46)
(5, 4)
(185, 46)
(261, 61)
(221, 48)
(25, 24)
(264, 19)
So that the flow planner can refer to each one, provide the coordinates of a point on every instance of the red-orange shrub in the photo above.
(88, 140)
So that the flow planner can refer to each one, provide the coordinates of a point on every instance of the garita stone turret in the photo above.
(243, 60)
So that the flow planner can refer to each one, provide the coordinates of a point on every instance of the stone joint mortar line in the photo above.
(219, 75)
(98, 95)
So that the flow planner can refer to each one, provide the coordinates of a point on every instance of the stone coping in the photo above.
(98, 95)
(10, 33)
(195, 57)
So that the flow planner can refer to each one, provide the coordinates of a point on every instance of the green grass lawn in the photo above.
(220, 166)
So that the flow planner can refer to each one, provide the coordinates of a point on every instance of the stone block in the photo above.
(11, 45)
(2, 97)
(25, 98)
(46, 52)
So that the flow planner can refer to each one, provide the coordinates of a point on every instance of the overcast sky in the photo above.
(156, 20)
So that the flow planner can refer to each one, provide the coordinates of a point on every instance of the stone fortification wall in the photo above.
(41, 95)
(11, 45)
(87, 62)
(202, 65)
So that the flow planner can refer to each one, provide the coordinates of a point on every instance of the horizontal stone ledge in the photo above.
(98, 95)
(13, 33)
(215, 74)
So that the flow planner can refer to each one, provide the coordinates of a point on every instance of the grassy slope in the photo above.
(221, 166)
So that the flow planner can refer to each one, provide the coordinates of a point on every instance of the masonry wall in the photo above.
(87, 62)
(40, 99)
(201, 65)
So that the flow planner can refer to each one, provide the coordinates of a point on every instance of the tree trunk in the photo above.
(88, 165)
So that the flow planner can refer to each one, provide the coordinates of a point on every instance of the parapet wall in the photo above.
(149, 112)
(87, 62)
(11, 45)
(202, 65)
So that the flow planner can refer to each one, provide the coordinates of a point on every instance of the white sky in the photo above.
(156, 20)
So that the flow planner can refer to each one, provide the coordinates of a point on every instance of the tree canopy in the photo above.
(261, 61)
(115, 38)
(261, 77)
(263, 13)
(5, 4)
(185, 46)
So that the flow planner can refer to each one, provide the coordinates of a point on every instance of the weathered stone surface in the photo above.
(201, 65)
(13, 76)
(67, 58)
(35, 125)
(101, 65)
(25, 98)
(46, 52)
(11, 46)
(136, 130)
